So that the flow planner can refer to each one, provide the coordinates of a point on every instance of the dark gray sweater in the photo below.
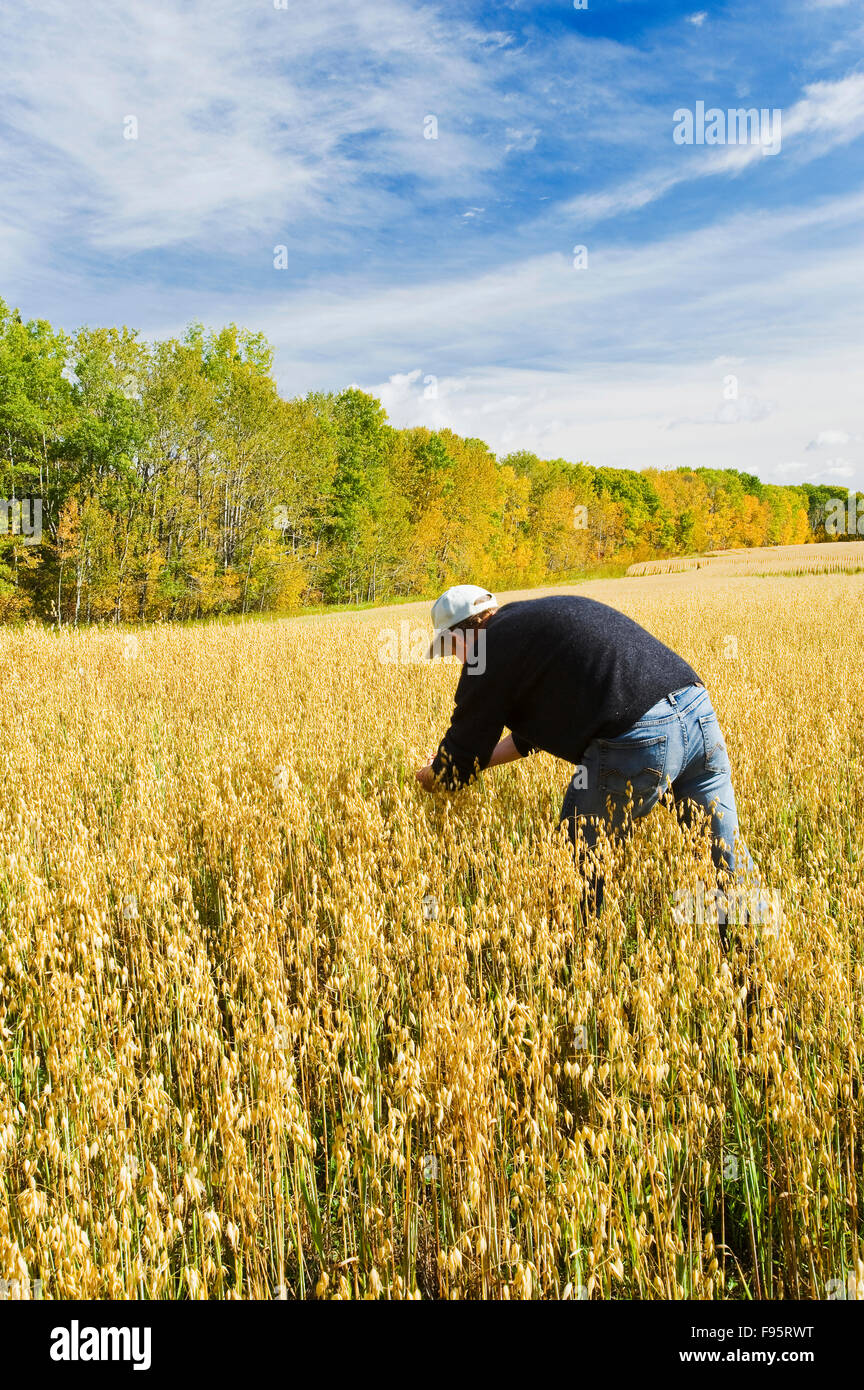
(559, 672)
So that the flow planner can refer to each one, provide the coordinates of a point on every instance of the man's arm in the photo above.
(504, 751)
(475, 729)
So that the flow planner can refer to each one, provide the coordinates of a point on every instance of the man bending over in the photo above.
(582, 681)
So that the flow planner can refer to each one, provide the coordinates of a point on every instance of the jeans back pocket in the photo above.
(715, 757)
(640, 763)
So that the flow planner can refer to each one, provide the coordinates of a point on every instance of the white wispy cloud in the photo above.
(827, 115)
(648, 302)
(247, 118)
(615, 408)
(305, 127)
(834, 111)
(520, 139)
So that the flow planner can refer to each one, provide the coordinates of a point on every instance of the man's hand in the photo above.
(426, 777)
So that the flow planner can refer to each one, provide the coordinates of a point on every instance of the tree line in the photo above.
(171, 480)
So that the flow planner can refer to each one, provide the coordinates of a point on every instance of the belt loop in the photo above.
(671, 698)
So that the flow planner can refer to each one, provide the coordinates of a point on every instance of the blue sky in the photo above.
(718, 318)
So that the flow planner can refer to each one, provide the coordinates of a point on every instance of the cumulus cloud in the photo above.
(740, 410)
(836, 468)
(827, 439)
(615, 415)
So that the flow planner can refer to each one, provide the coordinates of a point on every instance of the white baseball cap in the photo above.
(454, 606)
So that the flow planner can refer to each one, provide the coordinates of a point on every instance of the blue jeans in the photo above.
(677, 746)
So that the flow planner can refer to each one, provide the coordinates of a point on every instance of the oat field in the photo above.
(273, 1023)
(829, 557)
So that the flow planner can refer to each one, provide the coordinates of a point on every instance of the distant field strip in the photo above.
(834, 557)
